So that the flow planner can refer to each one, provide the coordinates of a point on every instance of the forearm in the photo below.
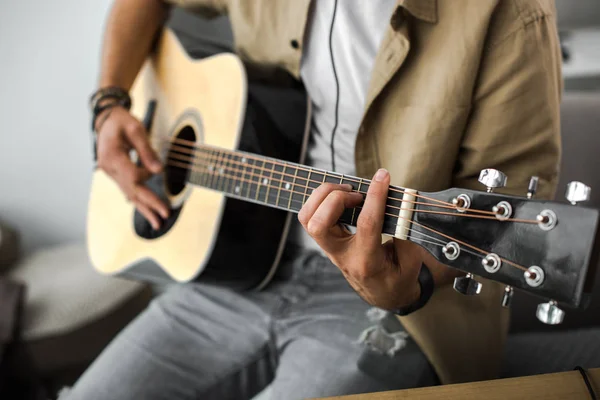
(130, 31)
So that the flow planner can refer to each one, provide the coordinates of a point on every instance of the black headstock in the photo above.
(543, 247)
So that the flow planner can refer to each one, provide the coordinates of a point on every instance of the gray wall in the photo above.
(49, 53)
(578, 13)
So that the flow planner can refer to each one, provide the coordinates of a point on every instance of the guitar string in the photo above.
(452, 207)
(176, 163)
(462, 215)
(259, 184)
(298, 166)
(440, 242)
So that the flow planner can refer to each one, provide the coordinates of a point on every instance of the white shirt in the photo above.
(358, 30)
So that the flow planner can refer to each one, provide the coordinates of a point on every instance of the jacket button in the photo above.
(295, 44)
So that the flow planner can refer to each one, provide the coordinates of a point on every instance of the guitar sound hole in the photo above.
(180, 159)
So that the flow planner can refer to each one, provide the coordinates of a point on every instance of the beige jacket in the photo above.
(457, 86)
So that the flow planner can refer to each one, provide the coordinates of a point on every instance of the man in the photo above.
(431, 91)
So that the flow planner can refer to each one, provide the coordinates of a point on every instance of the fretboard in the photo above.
(275, 183)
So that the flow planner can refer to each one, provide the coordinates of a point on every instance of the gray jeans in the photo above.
(308, 334)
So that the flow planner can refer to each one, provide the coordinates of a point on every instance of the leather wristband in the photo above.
(427, 285)
(106, 98)
(115, 93)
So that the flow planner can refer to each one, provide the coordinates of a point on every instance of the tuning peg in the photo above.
(492, 179)
(577, 192)
(467, 285)
(549, 313)
(533, 184)
(507, 296)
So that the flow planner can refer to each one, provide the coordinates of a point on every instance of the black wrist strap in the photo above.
(427, 286)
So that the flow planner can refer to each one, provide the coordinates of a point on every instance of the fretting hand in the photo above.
(384, 275)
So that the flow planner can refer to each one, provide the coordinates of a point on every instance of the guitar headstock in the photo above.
(546, 248)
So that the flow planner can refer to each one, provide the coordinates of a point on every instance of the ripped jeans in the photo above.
(308, 334)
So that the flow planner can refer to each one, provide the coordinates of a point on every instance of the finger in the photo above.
(128, 171)
(148, 214)
(152, 201)
(370, 220)
(316, 198)
(138, 137)
(127, 174)
(328, 214)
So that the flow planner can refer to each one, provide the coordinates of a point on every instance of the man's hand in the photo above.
(385, 275)
(119, 133)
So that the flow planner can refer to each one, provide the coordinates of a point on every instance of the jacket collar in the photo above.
(425, 10)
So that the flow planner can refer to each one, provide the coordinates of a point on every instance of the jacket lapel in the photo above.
(393, 51)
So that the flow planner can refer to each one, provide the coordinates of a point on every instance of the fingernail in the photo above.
(381, 174)
(348, 186)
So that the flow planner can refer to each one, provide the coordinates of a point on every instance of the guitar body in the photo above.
(208, 236)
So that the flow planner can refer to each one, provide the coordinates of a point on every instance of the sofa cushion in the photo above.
(71, 311)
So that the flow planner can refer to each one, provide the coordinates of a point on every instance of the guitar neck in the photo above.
(283, 185)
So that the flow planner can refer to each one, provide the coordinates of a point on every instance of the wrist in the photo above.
(423, 290)
(104, 100)
(103, 116)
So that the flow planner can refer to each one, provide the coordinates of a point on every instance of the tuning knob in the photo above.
(533, 185)
(492, 179)
(507, 296)
(467, 285)
(549, 313)
(577, 192)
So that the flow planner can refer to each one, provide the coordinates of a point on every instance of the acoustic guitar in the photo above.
(233, 149)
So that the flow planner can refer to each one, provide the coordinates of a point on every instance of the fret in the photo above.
(206, 163)
(278, 178)
(255, 176)
(216, 167)
(332, 177)
(306, 187)
(234, 169)
(353, 219)
(247, 175)
(352, 181)
(265, 180)
(239, 184)
(210, 169)
(317, 179)
(300, 188)
(221, 171)
(234, 184)
(292, 191)
(389, 225)
(200, 157)
(225, 173)
(271, 183)
(232, 174)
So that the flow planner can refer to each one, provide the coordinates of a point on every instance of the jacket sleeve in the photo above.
(514, 126)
